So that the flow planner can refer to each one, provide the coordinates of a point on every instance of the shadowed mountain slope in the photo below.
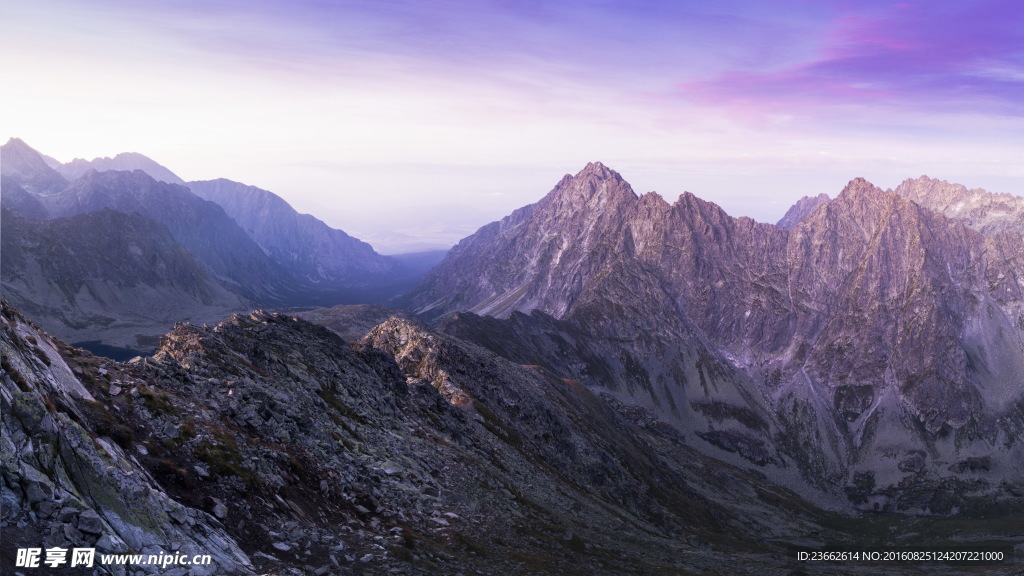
(122, 272)
(272, 444)
(201, 226)
(304, 245)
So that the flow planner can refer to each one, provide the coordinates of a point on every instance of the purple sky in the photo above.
(410, 124)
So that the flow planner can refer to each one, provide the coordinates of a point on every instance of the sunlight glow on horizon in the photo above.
(354, 110)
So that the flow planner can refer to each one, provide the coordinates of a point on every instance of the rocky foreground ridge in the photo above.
(874, 342)
(279, 448)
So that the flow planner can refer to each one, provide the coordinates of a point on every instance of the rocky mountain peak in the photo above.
(16, 144)
(690, 203)
(925, 190)
(979, 209)
(872, 311)
(594, 187)
(865, 207)
(27, 167)
(599, 170)
(859, 187)
(802, 208)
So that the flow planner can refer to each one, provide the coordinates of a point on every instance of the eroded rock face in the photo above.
(64, 486)
(873, 321)
(889, 277)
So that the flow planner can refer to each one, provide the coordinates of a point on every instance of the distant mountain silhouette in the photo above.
(307, 247)
(281, 258)
(126, 161)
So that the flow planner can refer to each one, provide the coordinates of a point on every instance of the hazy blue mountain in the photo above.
(105, 275)
(27, 168)
(18, 200)
(307, 247)
(201, 226)
(281, 258)
(125, 161)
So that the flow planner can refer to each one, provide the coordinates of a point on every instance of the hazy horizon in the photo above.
(412, 124)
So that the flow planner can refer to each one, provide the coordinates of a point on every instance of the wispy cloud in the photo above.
(938, 57)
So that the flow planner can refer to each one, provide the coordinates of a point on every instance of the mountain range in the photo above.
(874, 335)
(601, 382)
(249, 247)
(125, 162)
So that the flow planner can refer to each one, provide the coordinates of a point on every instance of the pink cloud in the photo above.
(967, 58)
